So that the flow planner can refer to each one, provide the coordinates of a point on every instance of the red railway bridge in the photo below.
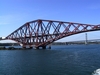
(41, 33)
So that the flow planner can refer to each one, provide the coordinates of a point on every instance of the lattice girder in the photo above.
(43, 32)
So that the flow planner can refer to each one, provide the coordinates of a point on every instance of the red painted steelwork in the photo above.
(43, 32)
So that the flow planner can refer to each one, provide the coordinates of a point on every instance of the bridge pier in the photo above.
(24, 47)
(49, 47)
(43, 47)
(36, 47)
(30, 47)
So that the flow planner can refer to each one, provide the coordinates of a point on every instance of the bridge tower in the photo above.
(86, 41)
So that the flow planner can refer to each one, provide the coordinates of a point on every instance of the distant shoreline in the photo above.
(55, 43)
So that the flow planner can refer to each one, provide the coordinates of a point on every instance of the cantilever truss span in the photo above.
(43, 32)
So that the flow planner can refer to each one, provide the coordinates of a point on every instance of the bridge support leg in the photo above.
(24, 47)
(36, 47)
(31, 47)
(49, 47)
(43, 47)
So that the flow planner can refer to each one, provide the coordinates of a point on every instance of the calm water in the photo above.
(60, 60)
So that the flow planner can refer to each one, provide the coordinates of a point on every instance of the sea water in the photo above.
(59, 60)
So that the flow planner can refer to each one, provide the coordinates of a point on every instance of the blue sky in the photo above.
(14, 13)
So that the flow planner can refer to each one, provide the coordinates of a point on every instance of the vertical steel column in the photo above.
(86, 42)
